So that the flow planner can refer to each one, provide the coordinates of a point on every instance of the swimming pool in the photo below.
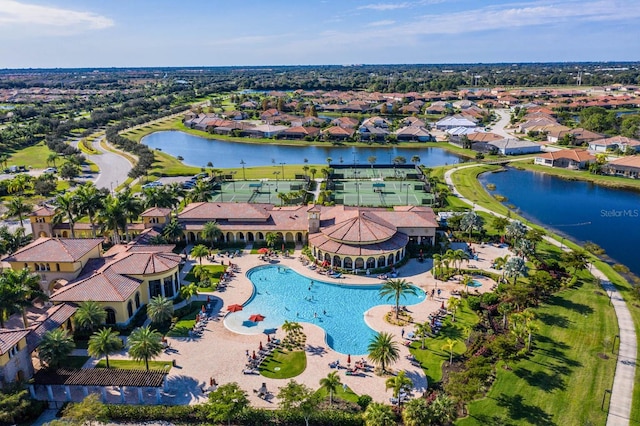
(282, 294)
(475, 284)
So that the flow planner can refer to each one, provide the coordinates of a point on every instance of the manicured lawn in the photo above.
(75, 362)
(284, 364)
(215, 270)
(34, 156)
(129, 364)
(340, 393)
(432, 357)
(564, 368)
(186, 322)
(166, 165)
(466, 181)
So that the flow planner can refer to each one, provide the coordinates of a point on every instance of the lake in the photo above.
(198, 151)
(579, 210)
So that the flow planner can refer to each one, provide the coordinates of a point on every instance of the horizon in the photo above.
(70, 34)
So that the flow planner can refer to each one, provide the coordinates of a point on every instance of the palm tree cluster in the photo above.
(443, 262)
(18, 290)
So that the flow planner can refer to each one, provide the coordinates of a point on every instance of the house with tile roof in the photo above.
(566, 158)
(15, 357)
(625, 166)
(613, 143)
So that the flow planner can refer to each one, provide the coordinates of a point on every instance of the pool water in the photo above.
(475, 283)
(283, 294)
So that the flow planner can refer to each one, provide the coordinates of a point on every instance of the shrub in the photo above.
(364, 401)
(474, 303)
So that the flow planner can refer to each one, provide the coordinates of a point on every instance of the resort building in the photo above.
(15, 357)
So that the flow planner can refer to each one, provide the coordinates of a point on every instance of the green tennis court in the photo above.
(381, 193)
(374, 173)
(255, 191)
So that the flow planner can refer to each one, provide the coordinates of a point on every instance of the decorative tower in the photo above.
(313, 215)
(42, 222)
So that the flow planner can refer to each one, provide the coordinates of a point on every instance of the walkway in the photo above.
(623, 381)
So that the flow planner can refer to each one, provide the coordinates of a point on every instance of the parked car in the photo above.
(50, 170)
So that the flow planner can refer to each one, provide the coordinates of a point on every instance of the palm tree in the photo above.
(55, 347)
(20, 288)
(415, 159)
(452, 305)
(378, 414)
(471, 221)
(329, 160)
(160, 309)
(113, 217)
(466, 281)
(66, 208)
(499, 263)
(398, 383)
(305, 169)
(189, 291)
(499, 223)
(271, 238)
(536, 236)
(395, 289)
(372, 160)
(19, 184)
(104, 342)
(422, 331)
(515, 267)
(444, 408)
(313, 172)
(203, 274)
(89, 200)
(449, 346)
(201, 192)
(144, 344)
(524, 248)
(89, 316)
(330, 384)
(52, 158)
(4, 158)
(211, 231)
(383, 350)
(505, 309)
(457, 257)
(291, 328)
(17, 207)
(437, 265)
(131, 206)
(417, 412)
(172, 230)
(447, 258)
(515, 230)
(577, 259)
(199, 252)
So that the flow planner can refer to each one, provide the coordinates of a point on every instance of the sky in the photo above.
(151, 33)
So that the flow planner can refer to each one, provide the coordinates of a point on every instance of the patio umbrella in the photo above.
(260, 347)
(263, 250)
(254, 355)
(442, 306)
(256, 318)
(234, 308)
(349, 359)
(268, 338)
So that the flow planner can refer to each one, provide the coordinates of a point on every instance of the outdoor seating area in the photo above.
(256, 358)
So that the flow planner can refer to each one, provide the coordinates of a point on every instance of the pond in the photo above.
(198, 151)
(580, 210)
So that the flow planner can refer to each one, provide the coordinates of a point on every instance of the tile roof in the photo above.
(324, 243)
(43, 211)
(52, 319)
(215, 211)
(46, 249)
(9, 338)
(102, 287)
(578, 155)
(156, 211)
(361, 228)
(630, 161)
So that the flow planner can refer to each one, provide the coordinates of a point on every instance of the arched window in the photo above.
(371, 262)
(359, 263)
(130, 309)
(348, 263)
(381, 261)
(111, 316)
(137, 300)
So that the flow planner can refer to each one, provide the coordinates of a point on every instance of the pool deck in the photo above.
(221, 354)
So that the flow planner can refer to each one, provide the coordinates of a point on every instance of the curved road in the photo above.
(621, 398)
(114, 168)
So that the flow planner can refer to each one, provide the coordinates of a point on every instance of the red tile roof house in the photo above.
(581, 136)
(337, 133)
(566, 158)
(299, 132)
(613, 143)
(413, 133)
(625, 166)
(346, 122)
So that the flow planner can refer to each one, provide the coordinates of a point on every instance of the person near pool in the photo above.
(402, 333)
(439, 291)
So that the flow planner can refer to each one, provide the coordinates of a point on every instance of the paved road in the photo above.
(622, 390)
(499, 127)
(114, 168)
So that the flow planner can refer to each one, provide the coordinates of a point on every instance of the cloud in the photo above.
(385, 6)
(46, 18)
(381, 23)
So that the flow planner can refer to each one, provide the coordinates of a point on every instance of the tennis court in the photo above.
(379, 193)
(255, 191)
(374, 173)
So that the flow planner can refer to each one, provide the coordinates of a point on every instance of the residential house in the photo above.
(454, 121)
(625, 166)
(566, 158)
(337, 133)
(299, 132)
(346, 122)
(614, 143)
(264, 131)
(376, 122)
(413, 133)
(514, 146)
(579, 136)
(413, 121)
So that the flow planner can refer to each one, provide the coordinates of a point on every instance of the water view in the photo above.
(283, 294)
(580, 210)
(198, 151)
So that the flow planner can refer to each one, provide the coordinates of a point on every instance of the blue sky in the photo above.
(120, 33)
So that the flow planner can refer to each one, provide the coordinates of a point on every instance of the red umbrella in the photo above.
(268, 338)
(263, 250)
(256, 318)
(349, 359)
(234, 308)
(254, 355)
(260, 347)
(442, 306)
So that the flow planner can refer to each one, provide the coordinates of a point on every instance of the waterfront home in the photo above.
(566, 158)
(413, 133)
(265, 131)
(337, 133)
(346, 122)
(625, 166)
(372, 133)
(413, 121)
(376, 122)
(454, 121)
(578, 136)
(513, 146)
(299, 132)
(611, 144)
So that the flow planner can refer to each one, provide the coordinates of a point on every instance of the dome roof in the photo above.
(361, 228)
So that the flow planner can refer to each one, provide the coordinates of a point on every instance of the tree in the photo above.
(131, 206)
(17, 207)
(437, 265)
(15, 404)
(398, 383)
(188, 292)
(226, 402)
(524, 248)
(372, 160)
(500, 262)
(499, 223)
(199, 252)
(52, 158)
(70, 171)
(466, 281)
(378, 414)
(296, 397)
(457, 256)
(88, 412)
(505, 309)
(211, 231)
(515, 267)
(89, 200)
(10, 242)
(89, 316)
(471, 221)
(536, 236)
(313, 172)
(576, 259)
(160, 309)
(415, 159)
(452, 304)
(18, 289)
(449, 345)
(113, 217)
(305, 169)
(417, 412)
(144, 344)
(19, 184)
(330, 384)
(172, 230)
(66, 209)
(443, 409)
(395, 289)
(329, 160)
(201, 192)
(291, 327)
(399, 160)
(383, 350)
(271, 239)
(104, 342)
(423, 329)
(55, 347)
(515, 230)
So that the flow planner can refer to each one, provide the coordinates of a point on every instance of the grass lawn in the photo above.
(283, 364)
(34, 156)
(340, 393)
(433, 356)
(75, 362)
(129, 364)
(166, 165)
(565, 367)
(186, 322)
(215, 270)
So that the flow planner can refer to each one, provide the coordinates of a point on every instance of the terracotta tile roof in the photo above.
(324, 243)
(215, 211)
(578, 155)
(156, 211)
(616, 140)
(362, 227)
(43, 211)
(52, 319)
(338, 131)
(55, 250)
(145, 263)
(630, 161)
(9, 338)
(483, 137)
(103, 287)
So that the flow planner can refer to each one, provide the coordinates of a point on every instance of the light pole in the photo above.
(276, 173)
(282, 166)
(244, 176)
(233, 179)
